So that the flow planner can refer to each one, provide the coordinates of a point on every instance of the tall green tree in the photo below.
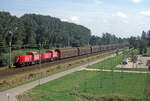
(144, 35)
(133, 42)
(14, 25)
(2, 45)
(148, 37)
(30, 27)
(142, 46)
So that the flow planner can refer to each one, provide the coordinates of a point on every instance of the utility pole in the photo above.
(101, 80)
(113, 80)
(8, 96)
(88, 59)
(10, 35)
(75, 89)
(85, 85)
(39, 61)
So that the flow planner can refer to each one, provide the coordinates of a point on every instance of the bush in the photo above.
(4, 60)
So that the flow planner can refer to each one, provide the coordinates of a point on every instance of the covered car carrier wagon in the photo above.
(84, 50)
(103, 48)
(95, 49)
(67, 52)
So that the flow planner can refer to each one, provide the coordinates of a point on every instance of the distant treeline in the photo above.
(140, 42)
(107, 38)
(32, 29)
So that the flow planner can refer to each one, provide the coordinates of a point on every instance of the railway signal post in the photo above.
(10, 35)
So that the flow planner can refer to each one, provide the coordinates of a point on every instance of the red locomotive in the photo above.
(34, 58)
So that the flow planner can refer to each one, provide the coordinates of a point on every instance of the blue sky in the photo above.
(120, 17)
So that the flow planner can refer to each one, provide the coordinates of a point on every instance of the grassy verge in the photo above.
(23, 78)
(111, 62)
(90, 86)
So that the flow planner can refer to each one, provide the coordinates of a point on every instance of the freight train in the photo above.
(51, 55)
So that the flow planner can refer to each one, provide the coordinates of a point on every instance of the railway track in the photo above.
(12, 71)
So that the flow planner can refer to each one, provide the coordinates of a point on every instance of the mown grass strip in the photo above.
(93, 83)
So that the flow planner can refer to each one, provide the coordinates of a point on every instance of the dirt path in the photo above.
(125, 71)
(20, 89)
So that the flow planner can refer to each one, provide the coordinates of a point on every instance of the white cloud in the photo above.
(64, 20)
(98, 1)
(122, 15)
(136, 1)
(145, 13)
(125, 21)
(75, 19)
(105, 21)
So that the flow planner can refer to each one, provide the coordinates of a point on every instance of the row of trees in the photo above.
(106, 38)
(35, 29)
(141, 42)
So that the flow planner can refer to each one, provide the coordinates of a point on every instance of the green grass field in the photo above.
(148, 51)
(90, 83)
(111, 63)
